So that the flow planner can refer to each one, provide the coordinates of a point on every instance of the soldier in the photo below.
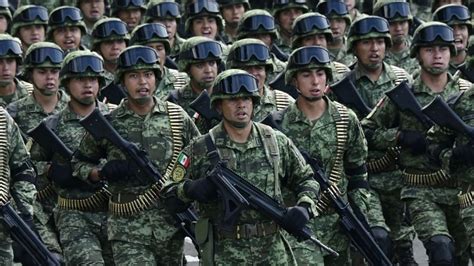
(92, 10)
(232, 12)
(285, 12)
(18, 176)
(130, 12)
(66, 28)
(204, 19)
(139, 237)
(11, 88)
(331, 133)
(49, 4)
(457, 17)
(109, 38)
(467, 70)
(253, 56)
(398, 15)
(264, 157)
(30, 24)
(430, 194)
(5, 16)
(421, 9)
(154, 35)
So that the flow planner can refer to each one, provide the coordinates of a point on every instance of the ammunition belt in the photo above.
(245, 231)
(428, 179)
(4, 168)
(46, 193)
(386, 163)
(96, 202)
(324, 205)
(466, 199)
(282, 100)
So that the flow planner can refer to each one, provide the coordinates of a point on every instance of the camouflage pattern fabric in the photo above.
(341, 55)
(167, 83)
(268, 103)
(22, 90)
(467, 215)
(402, 59)
(49, 4)
(178, 42)
(185, 96)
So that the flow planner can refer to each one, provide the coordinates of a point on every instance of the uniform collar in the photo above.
(124, 110)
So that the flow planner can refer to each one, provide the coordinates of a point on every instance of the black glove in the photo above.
(60, 173)
(415, 141)
(116, 170)
(172, 203)
(201, 190)
(295, 219)
(463, 154)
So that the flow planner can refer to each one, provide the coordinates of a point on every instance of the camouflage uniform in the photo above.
(402, 59)
(23, 89)
(49, 4)
(172, 80)
(284, 42)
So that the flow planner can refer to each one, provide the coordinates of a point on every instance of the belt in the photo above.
(466, 199)
(438, 178)
(386, 163)
(96, 202)
(46, 193)
(245, 231)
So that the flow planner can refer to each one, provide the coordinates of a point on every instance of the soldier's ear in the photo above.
(293, 81)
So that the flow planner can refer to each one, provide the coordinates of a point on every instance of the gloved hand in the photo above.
(295, 219)
(463, 154)
(116, 170)
(172, 203)
(202, 190)
(415, 141)
(60, 173)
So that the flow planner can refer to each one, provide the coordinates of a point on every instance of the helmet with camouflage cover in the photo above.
(203, 8)
(334, 9)
(233, 83)
(310, 24)
(137, 57)
(5, 10)
(151, 33)
(368, 27)
(65, 16)
(118, 5)
(81, 63)
(249, 52)
(256, 21)
(393, 10)
(279, 5)
(431, 34)
(225, 3)
(43, 55)
(29, 15)
(198, 49)
(162, 10)
(11, 48)
(454, 14)
(308, 57)
(109, 29)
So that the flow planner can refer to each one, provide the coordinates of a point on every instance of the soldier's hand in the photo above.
(60, 173)
(295, 219)
(202, 190)
(116, 170)
(415, 141)
(463, 154)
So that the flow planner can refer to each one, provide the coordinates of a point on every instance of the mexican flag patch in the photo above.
(184, 160)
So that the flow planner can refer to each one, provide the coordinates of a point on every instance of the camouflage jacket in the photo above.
(342, 55)
(402, 59)
(183, 97)
(271, 100)
(178, 42)
(172, 80)
(23, 88)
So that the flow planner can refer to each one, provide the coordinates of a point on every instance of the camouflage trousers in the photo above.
(467, 215)
(375, 215)
(146, 238)
(6, 251)
(45, 224)
(83, 236)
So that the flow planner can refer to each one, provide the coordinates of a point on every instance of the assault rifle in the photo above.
(49, 141)
(26, 238)
(100, 128)
(348, 95)
(238, 194)
(403, 97)
(440, 112)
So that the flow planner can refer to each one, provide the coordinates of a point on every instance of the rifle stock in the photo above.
(347, 94)
(202, 105)
(49, 141)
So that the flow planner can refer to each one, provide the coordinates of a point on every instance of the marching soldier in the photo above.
(232, 12)
(66, 28)
(285, 12)
(130, 12)
(30, 24)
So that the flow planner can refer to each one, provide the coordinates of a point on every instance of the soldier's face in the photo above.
(202, 74)
(110, 50)
(461, 36)
(32, 34)
(160, 49)
(140, 85)
(170, 24)
(399, 31)
(3, 24)
(236, 112)
(130, 16)
(92, 10)
(233, 13)
(204, 26)
(45, 80)
(286, 17)
(370, 52)
(338, 28)
(350, 4)
(68, 38)
(316, 39)
(7, 71)
(434, 59)
(264, 37)
(83, 90)
(259, 72)
(311, 84)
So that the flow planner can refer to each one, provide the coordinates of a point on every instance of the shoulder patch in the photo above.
(183, 160)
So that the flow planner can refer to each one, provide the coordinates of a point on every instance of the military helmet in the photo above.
(256, 21)
(203, 8)
(109, 29)
(225, 3)
(137, 57)
(150, 33)
(118, 5)
(82, 63)
(334, 9)
(29, 15)
(393, 10)
(198, 49)
(454, 14)
(310, 24)
(43, 55)
(233, 83)
(368, 27)
(5, 10)
(10, 47)
(280, 5)
(431, 34)
(161, 10)
(308, 57)
(65, 16)
(249, 52)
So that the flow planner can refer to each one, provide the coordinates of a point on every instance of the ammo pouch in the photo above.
(204, 231)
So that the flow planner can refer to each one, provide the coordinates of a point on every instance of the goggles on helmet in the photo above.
(10, 47)
(309, 23)
(107, 28)
(40, 55)
(431, 33)
(332, 7)
(149, 31)
(202, 6)
(253, 23)
(4, 3)
(307, 54)
(449, 13)
(202, 51)
(246, 52)
(367, 25)
(31, 14)
(393, 10)
(129, 3)
(235, 83)
(132, 57)
(164, 9)
(82, 64)
(59, 16)
(277, 3)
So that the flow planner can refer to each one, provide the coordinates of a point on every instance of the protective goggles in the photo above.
(4, 3)
(59, 16)
(84, 64)
(287, 2)
(309, 23)
(305, 55)
(31, 14)
(165, 9)
(138, 55)
(150, 31)
(235, 83)
(246, 52)
(393, 10)
(431, 33)
(455, 12)
(128, 3)
(203, 51)
(10, 47)
(40, 55)
(202, 6)
(367, 25)
(334, 7)
(253, 23)
(108, 28)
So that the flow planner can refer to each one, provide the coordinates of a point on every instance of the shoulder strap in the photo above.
(176, 120)
(212, 153)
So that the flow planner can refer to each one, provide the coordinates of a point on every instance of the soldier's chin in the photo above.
(86, 101)
(398, 40)
(436, 70)
(143, 100)
(5, 82)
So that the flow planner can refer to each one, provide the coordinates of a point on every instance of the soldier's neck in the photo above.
(238, 135)
(81, 109)
(231, 31)
(312, 110)
(398, 47)
(436, 83)
(110, 66)
(47, 102)
(459, 58)
(8, 89)
(141, 109)
(337, 43)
